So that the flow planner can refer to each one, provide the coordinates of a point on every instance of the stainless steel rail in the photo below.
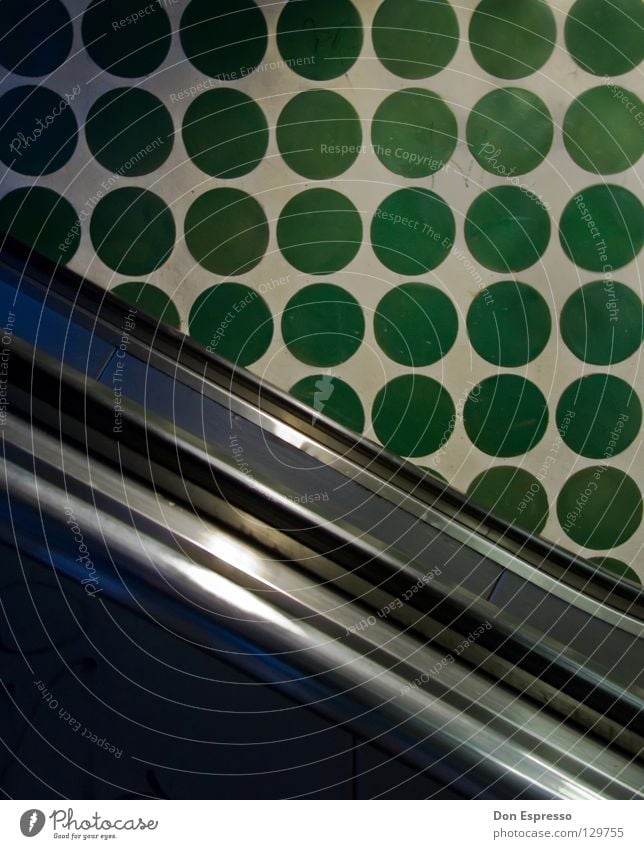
(461, 726)
(567, 577)
(180, 467)
(221, 555)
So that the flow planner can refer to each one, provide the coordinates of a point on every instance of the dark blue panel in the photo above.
(381, 776)
(52, 331)
(186, 724)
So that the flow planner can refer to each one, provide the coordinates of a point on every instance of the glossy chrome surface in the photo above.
(460, 724)
(473, 538)
(564, 682)
(547, 567)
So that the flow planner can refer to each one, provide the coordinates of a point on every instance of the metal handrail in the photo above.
(74, 408)
(215, 587)
(104, 312)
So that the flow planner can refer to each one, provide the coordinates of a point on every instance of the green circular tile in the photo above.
(225, 133)
(125, 45)
(149, 299)
(618, 568)
(602, 228)
(413, 415)
(42, 220)
(512, 40)
(513, 494)
(599, 416)
(323, 325)
(413, 132)
(226, 231)
(331, 397)
(605, 36)
(319, 39)
(600, 507)
(39, 132)
(412, 231)
(319, 134)
(601, 131)
(225, 40)
(505, 415)
(415, 39)
(509, 323)
(129, 131)
(319, 231)
(603, 322)
(415, 324)
(507, 229)
(37, 36)
(509, 131)
(232, 320)
(132, 231)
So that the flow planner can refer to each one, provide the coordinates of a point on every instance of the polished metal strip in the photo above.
(521, 751)
(277, 595)
(437, 520)
(496, 664)
(96, 301)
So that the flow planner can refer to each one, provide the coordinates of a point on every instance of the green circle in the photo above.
(605, 36)
(412, 231)
(600, 507)
(599, 416)
(601, 132)
(602, 228)
(509, 131)
(509, 323)
(414, 39)
(232, 320)
(226, 231)
(413, 415)
(507, 229)
(505, 415)
(513, 494)
(415, 324)
(603, 322)
(622, 570)
(323, 325)
(37, 36)
(225, 40)
(331, 397)
(319, 134)
(132, 231)
(512, 39)
(225, 133)
(149, 299)
(319, 231)
(39, 132)
(413, 132)
(42, 220)
(122, 44)
(319, 39)
(129, 131)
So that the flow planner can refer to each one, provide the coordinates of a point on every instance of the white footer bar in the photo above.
(320, 824)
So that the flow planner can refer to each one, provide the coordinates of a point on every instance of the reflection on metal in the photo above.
(284, 601)
(233, 552)
(243, 394)
(295, 633)
(472, 537)
(177, 464)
